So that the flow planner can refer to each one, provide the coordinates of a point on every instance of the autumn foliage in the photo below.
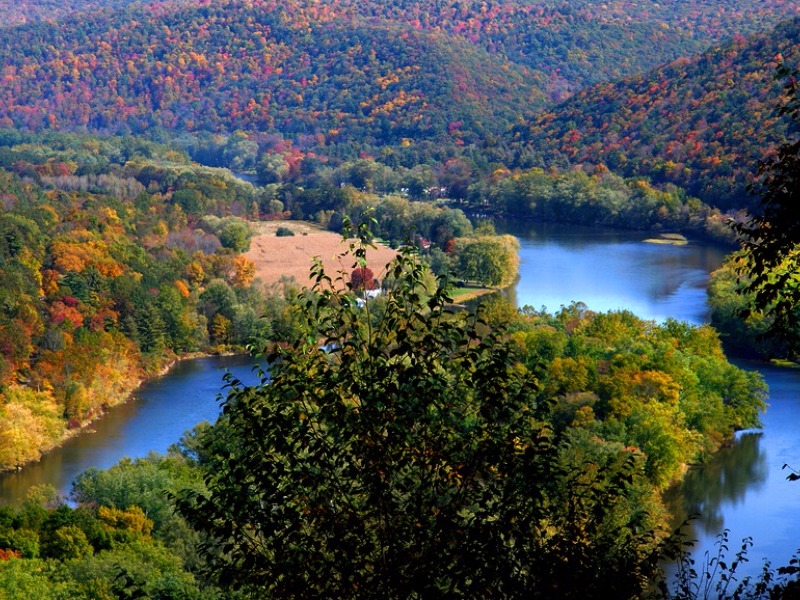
(97, 293)
(362, 278)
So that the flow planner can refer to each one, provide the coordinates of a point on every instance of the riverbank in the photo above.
(80, 385)
(159, 413)
(122, 396)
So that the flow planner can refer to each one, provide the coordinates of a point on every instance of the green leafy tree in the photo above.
(771, 237)
(218, 298)
(236, 236)
(22, 580)
(69, 542)
(488, 259)
(272, 168)
(407, 456)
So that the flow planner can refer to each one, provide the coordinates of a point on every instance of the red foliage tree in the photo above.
(362, 278)
(9, 554)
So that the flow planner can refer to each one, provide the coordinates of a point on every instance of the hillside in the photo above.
(577, 42)
(701, 123)
(339, 71)
(17, 13)
(238, 66)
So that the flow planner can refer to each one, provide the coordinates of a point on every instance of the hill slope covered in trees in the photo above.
(701, 123)
(337, 70)
(239, 66)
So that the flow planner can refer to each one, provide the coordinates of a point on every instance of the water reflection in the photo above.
(708, 490)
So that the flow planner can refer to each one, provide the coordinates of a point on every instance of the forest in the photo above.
(403, 445)
(121, 255)
(522, 85)
(606, 408)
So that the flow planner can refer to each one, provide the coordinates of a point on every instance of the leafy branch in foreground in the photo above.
(406, 452)
(770, 238)
(719, 577)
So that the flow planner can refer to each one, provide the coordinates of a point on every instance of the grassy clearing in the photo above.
(462, 294)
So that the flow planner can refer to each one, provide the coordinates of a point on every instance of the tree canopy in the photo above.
(408, 454)
(769, 270)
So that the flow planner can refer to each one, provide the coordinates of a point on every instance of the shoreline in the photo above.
(85, 426)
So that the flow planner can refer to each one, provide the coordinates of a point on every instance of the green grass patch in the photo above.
(462, 294)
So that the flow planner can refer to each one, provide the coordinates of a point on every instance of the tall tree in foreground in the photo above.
(770, 271)
(408, 454)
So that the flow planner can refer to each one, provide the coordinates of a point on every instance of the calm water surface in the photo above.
(611, 270)
(743, 489)
(157, 415)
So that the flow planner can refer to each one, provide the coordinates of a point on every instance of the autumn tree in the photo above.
(244, 271)
(29, 423)
(362, 279)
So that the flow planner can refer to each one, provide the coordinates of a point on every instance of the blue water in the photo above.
(610, 270)
(153, 419)
(744, 488)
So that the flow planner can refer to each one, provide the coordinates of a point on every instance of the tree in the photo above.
(488, 259)
(236, 236)
(218, 297)
(22, 435)
(407, 456)
(244, 271)
(771, 237)
(361, 279)
(272, 168)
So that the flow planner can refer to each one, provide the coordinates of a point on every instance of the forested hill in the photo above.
(576, 41)
(702, 123)
(253, 67)
(14, 13)
(337, 70)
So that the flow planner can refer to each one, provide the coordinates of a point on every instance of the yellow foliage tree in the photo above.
(29, 423)
(132, 520)
(244, 271)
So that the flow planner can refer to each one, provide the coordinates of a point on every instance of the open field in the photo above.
(292, 256)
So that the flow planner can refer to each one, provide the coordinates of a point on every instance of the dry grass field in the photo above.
(293, 256)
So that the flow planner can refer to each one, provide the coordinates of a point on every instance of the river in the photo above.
(153, 419)
(743, 489)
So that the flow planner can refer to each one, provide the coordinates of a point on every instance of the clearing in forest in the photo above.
(292, 256)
